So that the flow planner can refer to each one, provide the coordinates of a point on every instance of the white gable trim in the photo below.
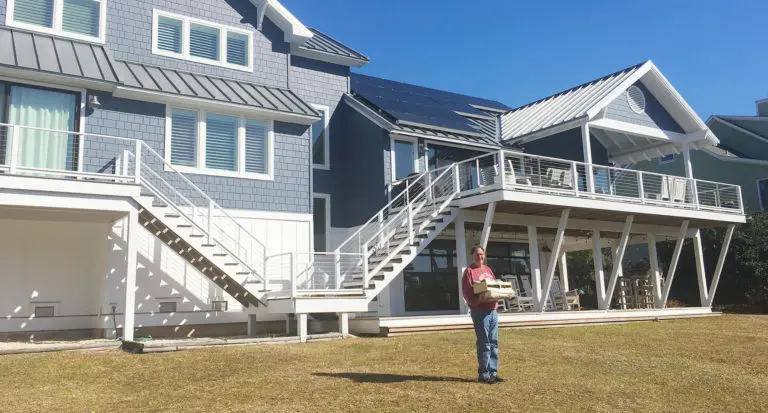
(295, 31)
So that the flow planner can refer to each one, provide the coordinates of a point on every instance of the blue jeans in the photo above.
(487, 331)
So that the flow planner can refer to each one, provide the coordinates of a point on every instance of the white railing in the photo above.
(294, 272)
(85, 156)
(569, 178)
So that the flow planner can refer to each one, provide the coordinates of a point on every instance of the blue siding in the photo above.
(567, 145)
(129, 36)
(654, 116)
(288, 192)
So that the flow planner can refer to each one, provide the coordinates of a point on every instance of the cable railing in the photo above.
(291, 273)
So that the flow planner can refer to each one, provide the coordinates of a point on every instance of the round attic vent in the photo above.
(636, 99)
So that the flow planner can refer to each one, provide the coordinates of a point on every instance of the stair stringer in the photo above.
(409, 253)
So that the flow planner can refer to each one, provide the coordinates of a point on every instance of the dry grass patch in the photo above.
(715, 364)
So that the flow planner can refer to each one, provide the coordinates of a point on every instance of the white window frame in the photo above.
(58, 13)
(223, 30)
(393, 161)
(326, 138)
(760, 194)
(327, 198)
(201, 169)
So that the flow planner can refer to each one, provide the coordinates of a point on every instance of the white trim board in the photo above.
(57, 29)
(326, 165)
(269, 215)
(326, 57)
(327, 198)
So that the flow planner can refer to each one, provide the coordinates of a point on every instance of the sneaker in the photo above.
(497, 379)
(489, 380)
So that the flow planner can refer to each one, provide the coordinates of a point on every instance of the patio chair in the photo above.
(526, 280)
(522, 301)
(664, 191)
(567, 300)
(678, 189)
(510, 174)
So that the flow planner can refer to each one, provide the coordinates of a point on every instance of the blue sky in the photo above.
(713, 52)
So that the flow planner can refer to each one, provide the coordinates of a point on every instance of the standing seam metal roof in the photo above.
(212, 88)
(323, 43)
(47, 53)
(562, 107)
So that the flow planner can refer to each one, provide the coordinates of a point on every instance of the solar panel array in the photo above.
(421, 105)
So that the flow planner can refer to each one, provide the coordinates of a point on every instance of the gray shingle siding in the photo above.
(3, 8)
(129, 36)
(288, 192)
(654, 115)
(567, 145)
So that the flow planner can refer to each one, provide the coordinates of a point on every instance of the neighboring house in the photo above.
(215, 169)
(741, 157)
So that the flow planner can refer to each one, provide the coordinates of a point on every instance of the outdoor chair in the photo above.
(678, 189)
(567, 300)
(522, 301)
(510, 174)
(526, 280)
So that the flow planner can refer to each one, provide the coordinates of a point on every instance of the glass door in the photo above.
(44, 109)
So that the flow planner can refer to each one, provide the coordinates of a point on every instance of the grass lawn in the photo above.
(715, 364)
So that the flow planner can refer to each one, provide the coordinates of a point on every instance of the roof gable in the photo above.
(653, 115)
(325, 48)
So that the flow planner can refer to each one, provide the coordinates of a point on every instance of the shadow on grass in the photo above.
(390, 378)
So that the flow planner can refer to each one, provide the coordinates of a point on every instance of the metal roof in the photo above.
(195, 85)
(564, 106)
(323, 43)
(428, 108)
(50, 54)
(436, 133)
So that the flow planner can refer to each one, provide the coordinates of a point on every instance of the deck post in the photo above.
(586, 145)
(13, 153)
(554, 256)
(720, 263)
(486, 234)
(563, 263)
(653, 259)
(673, 263)
(689, 174)
(301, 327)
(698, 252)
(129, 320)
(137, 163)
(344, 324)
(597, 258)
(618, 256)
(502, 172)
(533, 248)
(461, 256)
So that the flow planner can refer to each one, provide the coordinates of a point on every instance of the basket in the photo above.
(494, 289)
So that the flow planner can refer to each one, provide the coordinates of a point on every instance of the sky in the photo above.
(713, 52)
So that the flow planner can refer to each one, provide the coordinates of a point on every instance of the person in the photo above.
(484, 318)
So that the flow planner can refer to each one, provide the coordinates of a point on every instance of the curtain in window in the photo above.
(38, 12)
(81, 16)
(221, 142)
(255, 146)
(49, 110)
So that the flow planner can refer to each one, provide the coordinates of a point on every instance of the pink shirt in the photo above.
(474, 275)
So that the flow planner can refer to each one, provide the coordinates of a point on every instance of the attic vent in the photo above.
(636, 99)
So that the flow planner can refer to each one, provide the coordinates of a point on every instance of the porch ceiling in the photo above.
(598, 215)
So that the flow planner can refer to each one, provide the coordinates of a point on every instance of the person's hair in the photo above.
(475, 248)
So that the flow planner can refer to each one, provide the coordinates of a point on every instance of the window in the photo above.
(430, 279)
(667, 159)
(201, 41)
(44, 311)
(83, 19)
(762, 191)
(321, 213)
(404, 159)
(217, 144)
(220, 305)
(320, 154)
(167, 307)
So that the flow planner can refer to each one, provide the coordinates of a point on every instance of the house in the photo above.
(741, 157)
(216, 169)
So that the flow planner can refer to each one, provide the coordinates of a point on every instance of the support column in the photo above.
(597, 258)
(653, 259)
(461, 257)
(698, 251)
(533, 250)
(564, 284)
(689, 174)
(720, 263)
(130, 277)
(486, 234)
(618, 257)
(673, 264)
(344, 324)
(586, 145)
(301, 327)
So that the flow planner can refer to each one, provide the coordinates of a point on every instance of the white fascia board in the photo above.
(369, 113)
(672, 101)
(233, 108)
(327, 57)
(295, 31)
(619, 89)
(653, 133)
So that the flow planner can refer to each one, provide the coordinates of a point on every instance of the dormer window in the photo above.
(201, 41)
(80, 19)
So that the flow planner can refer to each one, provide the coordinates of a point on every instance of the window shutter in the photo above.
(237, 49)
(38, 12)
(169, 34)
(255, 147)
(184, 138)
(221, 142)
(81, 16)
(203, 41)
